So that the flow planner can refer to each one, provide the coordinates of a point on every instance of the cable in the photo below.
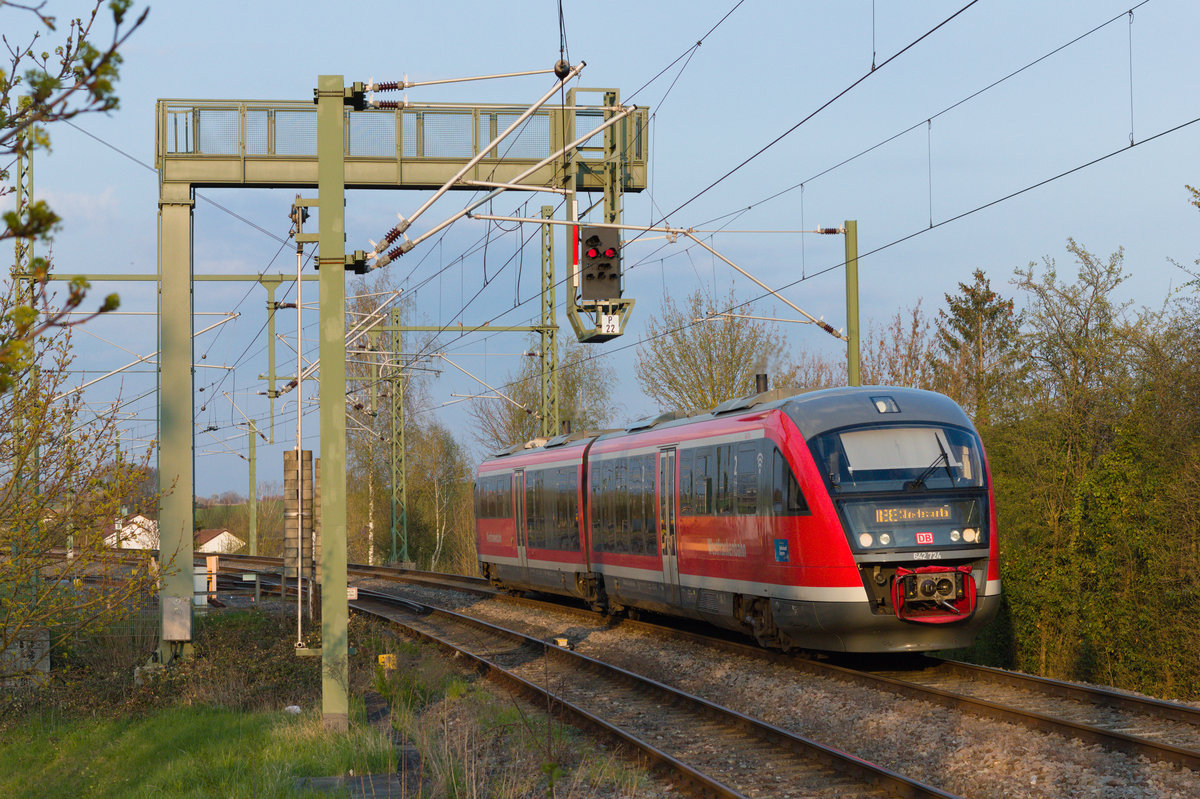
(945, 110)
(142, 163)
(688, 52)
(819, 109)
(881, 248)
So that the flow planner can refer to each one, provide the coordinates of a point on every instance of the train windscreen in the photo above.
(899, 459)
(914, 488)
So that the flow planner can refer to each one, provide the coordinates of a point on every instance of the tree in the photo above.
(62, 481)
(975, 358)
(899, 353)
(1077, 342)
(440, 499)
(1195, 281)
(38, 89)
(585, 398)
(62, 478)
(699, 355)
(1058, 455)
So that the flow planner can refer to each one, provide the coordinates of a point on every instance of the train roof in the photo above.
(813, 412)
(819, 411)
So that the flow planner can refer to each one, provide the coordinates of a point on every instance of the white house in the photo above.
(137, 532)
(217, 541)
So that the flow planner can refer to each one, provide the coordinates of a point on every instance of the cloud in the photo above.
(94, 211)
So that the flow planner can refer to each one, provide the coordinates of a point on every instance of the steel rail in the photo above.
(789, 744)
(1112, 739)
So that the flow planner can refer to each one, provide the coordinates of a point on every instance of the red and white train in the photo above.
(850, 519)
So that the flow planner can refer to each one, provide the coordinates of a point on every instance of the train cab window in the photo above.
(786, 497)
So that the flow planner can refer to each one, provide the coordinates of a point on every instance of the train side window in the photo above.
(724, 497)
(648, 535)
(533, 521)
(746, 465)
(621, 517)
(565, 535)
(608, 532)
(635, 505)
(596, 501)
(572, 494)
(685, 482)
(702, 482)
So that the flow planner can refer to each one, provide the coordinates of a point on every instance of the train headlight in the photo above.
(970, 535)
(865, 540)
(955, 535)
(885, 539)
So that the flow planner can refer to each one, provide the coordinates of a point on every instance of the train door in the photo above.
(521, 520)
(667, 515)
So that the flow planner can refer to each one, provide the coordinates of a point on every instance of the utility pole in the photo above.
(252, 500)
(399, 468)
(852, 348)
(850, 231)
(332, 97)
(373, 365)
(549, 332)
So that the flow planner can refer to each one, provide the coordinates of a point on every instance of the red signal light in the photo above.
(610, 253)
(592, 252)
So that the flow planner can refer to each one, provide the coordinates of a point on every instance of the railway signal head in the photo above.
(600, 263)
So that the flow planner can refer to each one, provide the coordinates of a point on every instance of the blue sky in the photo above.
(765, 68)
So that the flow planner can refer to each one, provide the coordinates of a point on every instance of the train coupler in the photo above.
(933, 594)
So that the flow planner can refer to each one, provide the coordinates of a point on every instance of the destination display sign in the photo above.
(912, 513)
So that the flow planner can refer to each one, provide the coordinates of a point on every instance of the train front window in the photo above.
(906, 459)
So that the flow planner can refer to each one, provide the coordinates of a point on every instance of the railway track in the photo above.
(717, 751)
(1139, 726)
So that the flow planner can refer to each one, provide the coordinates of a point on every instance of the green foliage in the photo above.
(38, 89)
(976, 349)
(1094, 460)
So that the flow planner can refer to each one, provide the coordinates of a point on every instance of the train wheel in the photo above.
(763, 624)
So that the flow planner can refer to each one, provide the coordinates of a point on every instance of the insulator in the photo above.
(388, 86)
(392, 235)
(829, 231)
(388, 105)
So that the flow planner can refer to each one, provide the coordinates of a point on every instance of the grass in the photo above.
(480, 741)
(182, 752)
(214, 724)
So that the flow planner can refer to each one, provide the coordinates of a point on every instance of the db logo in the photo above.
(924, 538)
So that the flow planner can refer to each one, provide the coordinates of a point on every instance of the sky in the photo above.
(775, 95)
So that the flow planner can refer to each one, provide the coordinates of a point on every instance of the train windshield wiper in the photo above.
(913, 485)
